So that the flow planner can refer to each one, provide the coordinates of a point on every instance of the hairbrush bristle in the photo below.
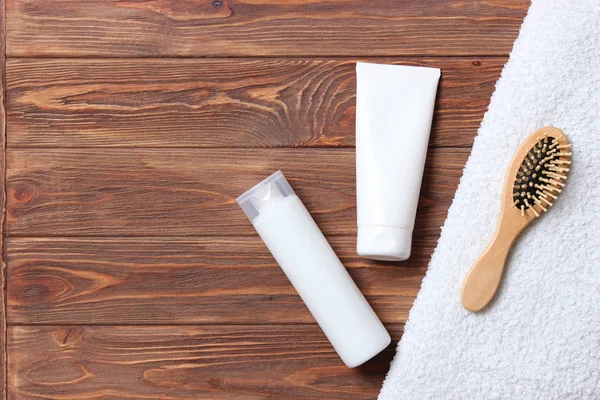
(554, 175)
(538, 202)
(541, 175)
(547, 202)
(552, 188)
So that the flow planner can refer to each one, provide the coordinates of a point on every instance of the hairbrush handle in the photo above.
(483, 279)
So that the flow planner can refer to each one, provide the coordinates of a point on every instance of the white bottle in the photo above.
(313, 268)
(394, 109)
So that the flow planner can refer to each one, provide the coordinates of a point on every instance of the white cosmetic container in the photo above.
(394, 109)
(314, 270)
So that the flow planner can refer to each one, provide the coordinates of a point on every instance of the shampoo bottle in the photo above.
(314, 270)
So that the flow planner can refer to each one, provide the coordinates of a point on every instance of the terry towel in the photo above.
(540, 338)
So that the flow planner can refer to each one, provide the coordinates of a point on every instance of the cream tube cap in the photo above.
(384, 243)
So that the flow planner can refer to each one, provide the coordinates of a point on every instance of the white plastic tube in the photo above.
(394, 109)
(314, 270)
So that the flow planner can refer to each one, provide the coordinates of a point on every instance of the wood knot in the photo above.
(57, 372)
(37, 287)
(217, 3)
(476, 63)
(68, 336)
(21, 194)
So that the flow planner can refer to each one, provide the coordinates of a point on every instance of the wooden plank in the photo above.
(220, 102)
(192, 192)
(184, 362)
(3, 355)
(260, 28)
(184, 281)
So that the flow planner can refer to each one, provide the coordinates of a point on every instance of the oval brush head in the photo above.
(535, 178)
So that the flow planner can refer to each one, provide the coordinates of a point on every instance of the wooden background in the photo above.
(131, 126)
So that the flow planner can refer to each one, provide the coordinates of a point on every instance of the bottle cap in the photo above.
(264, 195)
(384, 243)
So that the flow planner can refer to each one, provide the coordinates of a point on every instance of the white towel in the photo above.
(540, 339)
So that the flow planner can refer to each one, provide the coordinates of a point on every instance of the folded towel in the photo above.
(540, 338)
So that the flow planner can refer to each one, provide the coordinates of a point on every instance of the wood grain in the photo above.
(184, 362)
(192, 192)
(220, 102)
(184, 281)
(262, 28)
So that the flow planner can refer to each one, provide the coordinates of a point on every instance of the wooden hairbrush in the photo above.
(535, 178)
